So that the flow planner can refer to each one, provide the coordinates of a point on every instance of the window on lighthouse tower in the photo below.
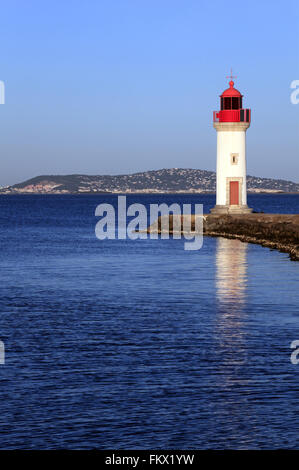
(234, 158)
(235, 103)
(228, 103)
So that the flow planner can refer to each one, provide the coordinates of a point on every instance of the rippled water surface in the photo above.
(140, 344)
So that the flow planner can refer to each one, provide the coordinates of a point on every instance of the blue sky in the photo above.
(108, 87)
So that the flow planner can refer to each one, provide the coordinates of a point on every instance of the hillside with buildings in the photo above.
(172, 180)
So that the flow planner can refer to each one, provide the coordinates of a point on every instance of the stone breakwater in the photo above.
(276, 231)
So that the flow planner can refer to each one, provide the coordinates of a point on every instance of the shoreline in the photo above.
(253, 193)
(290, 249)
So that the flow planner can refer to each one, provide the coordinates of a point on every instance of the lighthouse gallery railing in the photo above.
(232, 115)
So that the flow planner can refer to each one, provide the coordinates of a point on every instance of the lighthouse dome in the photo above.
(231, 91)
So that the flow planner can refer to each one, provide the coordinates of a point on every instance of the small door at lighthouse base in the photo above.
(234, 193)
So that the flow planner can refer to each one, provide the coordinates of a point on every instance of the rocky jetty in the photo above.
(276, 231)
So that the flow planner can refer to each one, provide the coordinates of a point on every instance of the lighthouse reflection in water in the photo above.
(231, 294)
(231, 271)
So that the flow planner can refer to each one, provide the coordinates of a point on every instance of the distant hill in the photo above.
(167, 180)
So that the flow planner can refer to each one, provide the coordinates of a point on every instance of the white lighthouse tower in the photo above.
(231, 123)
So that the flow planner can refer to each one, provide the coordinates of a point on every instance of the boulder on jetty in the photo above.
(276, 231)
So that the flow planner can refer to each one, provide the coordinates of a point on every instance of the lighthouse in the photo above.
(231, 124)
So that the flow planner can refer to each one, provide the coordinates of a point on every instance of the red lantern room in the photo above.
(231, 109)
